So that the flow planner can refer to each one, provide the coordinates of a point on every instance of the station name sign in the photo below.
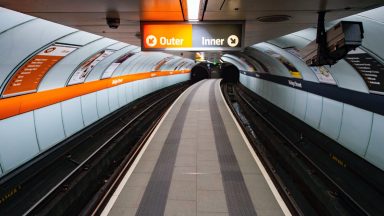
(200, 36)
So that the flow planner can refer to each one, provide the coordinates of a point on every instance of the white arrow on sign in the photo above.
(233, 40)
(151, 40)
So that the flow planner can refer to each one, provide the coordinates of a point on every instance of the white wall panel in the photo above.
(18, 140)
(267, 92)
(122, 95)
(148, 86)
(12, 18)
(263, 87)
(314, 109)
(102, 103)
(259, 86)
(118, 46)
(331, 118)
(134, 90)
(113, 98)
(122, 69)
(72, 116)
(288, 98)
(129, 66)
(143, 87)
(139, 88)
(355, 129)
(137, 63)
(79, 38)
(89, 108)
(376, 144)
(289, 41)
(309, 34)
(49, 126)
(128, 92)
(347, 77)
(275, 90)
(300, 105)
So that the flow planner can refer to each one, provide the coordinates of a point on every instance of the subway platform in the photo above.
(197, 162)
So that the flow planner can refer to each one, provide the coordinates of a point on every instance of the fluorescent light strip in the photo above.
(193, 7)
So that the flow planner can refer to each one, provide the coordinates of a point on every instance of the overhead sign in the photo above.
(28, 77)
(192, 36)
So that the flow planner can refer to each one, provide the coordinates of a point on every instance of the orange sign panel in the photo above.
(28, 77)
(160, 36)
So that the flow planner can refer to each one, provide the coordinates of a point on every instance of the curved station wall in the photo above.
(56, 80)
(343, 101)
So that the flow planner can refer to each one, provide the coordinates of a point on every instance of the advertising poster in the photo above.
(291, 68)
(250, 66)
(162, 62)
(112, 67)
(294, 52)
(82, 72)
(180, 65)
(322, 73)
(369, 68)
(28, 77)
(173, 63)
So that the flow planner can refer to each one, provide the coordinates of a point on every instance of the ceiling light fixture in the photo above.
(193, 7)
(274, 18)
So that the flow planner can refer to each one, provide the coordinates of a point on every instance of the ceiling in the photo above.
(90, 15)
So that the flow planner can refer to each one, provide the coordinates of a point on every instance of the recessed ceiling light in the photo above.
(193, 7)
(274, 18)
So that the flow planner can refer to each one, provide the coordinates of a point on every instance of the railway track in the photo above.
(79, 175)
(307, 177)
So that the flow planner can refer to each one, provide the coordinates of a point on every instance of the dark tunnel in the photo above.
(230, 73)
(199, 72)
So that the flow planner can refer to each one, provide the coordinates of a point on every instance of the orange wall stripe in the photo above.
(24, 103)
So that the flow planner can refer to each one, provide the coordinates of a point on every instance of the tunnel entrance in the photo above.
(200, 72)
(227, 71)
(230, 73)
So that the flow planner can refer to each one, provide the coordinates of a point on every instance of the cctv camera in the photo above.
(113, 19)
(113, 23)
(332, 45)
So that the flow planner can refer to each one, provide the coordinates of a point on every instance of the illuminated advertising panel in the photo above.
(28, 77)
(291, 68)
(322, 73)
(82, 72)
(192, 36)
(162, 62)
(112, 67)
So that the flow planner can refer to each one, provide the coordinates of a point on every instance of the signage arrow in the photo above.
(202, 36)
(233, 40)
(151, 40)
